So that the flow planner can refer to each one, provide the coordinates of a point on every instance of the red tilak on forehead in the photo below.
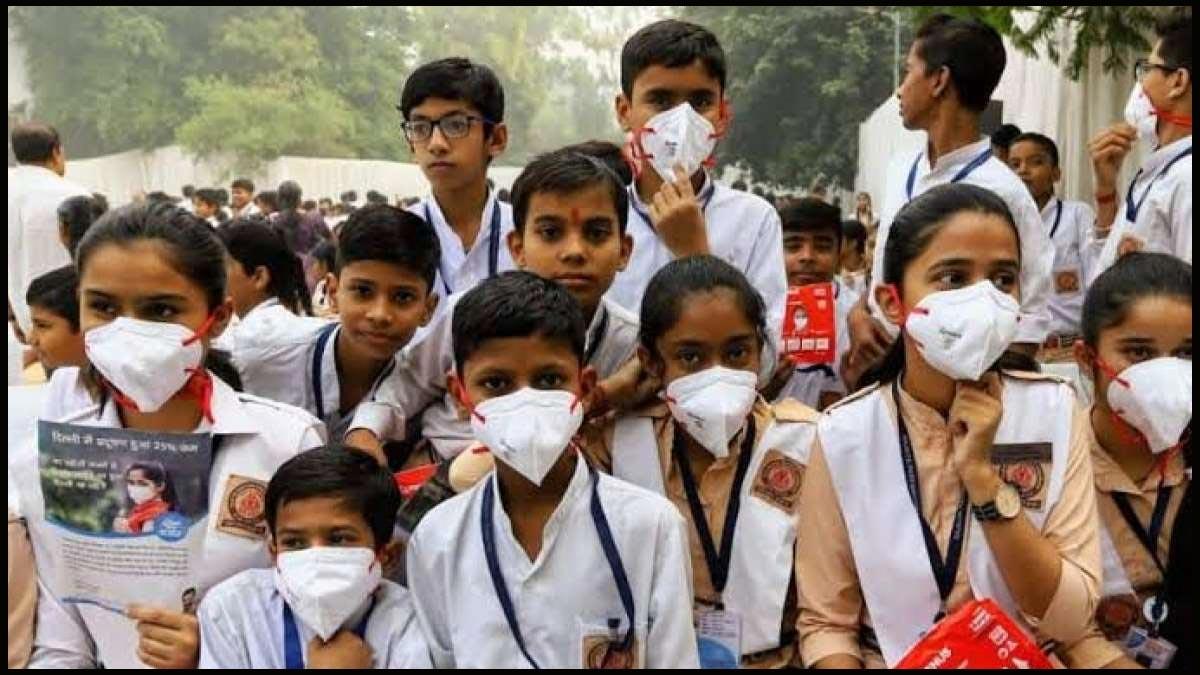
(574, 215)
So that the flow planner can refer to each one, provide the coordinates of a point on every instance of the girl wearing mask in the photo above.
(151, 494)
(1137, 349)
(957, 476)
(153, 296)
(730, 462)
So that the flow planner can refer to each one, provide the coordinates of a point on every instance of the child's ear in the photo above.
(431, 303)
(626, 252)
(516, 247)
(261, 279)
(1083, 358)
(724, 119)
(331, 287)
(498, 140)
(1056, 175)
(587, 382)
(223, 314)
(455, 386)
(272, 549)
(622, 105)
(889, 301)
(650, 363)
(390, 552)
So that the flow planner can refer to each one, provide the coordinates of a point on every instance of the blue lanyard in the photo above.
(319, 357)
(606, 542)
(963, 173)
(493, 245)
(710, 190)
(1057, 219)
(596, 337)
(293, 657)
(1131, 208)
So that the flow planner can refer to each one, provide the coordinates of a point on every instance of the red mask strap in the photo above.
(202, 331)
(463, 398)
(1172, 118)
(120, 399)
(200, 387)
(1109, 371)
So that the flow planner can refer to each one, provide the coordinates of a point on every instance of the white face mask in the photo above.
(325, 585)
(1139, 113)
(140, 494)
(712, 405)
(962, 332)
(147, 361)
(1154, 397)
(679, 136)
(528, 429)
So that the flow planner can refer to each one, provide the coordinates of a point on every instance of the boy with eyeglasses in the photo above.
(453, 113)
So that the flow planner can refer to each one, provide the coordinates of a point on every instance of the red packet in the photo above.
(978, 635)
(809, 335)
(411, 480)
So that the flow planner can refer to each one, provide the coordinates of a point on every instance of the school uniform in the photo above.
(866, 584)
(640, 448)
(1155, 213)
(566, 605)
(742, 229)
(1071, 227)
(242, 626)
(419, 382)
(1131, 575)
(911, 176)
(264, 346)
(252, 438)
(460, 269)
(810, 381)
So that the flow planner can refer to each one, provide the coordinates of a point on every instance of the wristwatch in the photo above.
(1004, 506)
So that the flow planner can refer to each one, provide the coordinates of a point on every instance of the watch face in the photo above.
(1008, 501)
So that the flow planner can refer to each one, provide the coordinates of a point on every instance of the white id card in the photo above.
(1149, 652)
(719, 637)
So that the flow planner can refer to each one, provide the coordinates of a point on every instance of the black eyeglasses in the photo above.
(1142, 67)
(454, 125)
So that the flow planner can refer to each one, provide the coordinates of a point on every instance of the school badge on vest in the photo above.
(1066, 281)
(1024, 466)
(243, 511)
(1115, 615)
(778, 481)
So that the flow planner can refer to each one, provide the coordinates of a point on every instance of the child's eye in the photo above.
(549, 232)
(737, 353)
(599, 233)
(495, 384)
(1004, 281)
(951, 279)
(293, 544)
(1138, 354)
(549, 381)
(702, 102)
(163, 312)
(1184, 353)
(361, 292)
(688, 357)
(403, 298)
(102, 307)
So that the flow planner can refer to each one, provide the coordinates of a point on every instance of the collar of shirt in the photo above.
(951, 162)
(1050, 210)
(574, 500)
(923, 422)
(264, 305)
(306, 633)
(33, 172)
(1111, 478)
(331, 387)
(1160, 157)
(229, 416)
(707, 189)
(447, 233)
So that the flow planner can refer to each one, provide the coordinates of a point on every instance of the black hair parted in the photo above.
(516, 304)
(383, 233)
(970, 49)
(58, 292)
(342, 473)
(255, 242)
(671, 43)
(1133, 277)
(663, 301)
(455, 79)
(1042, 141)
(564, 171)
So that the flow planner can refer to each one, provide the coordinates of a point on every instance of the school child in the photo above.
(571, 211)
(855, 263)
(153, 296)
(324, 262)
(546, 563)
(672, 106)
(731, 462)
(381, 290)
(1137, 349)
(812, 243)
(54, 336)
(330, 514)
(1069, 225)
(955, 477)
(453, 113)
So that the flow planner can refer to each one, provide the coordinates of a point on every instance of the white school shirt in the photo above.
(266, 345)
(808, 382)
(560, 597)
(241, 626)
(34, 195)
(1071, 227)
(419, 381)
(1164, 221)
(257, 436)
(1037, 252)
(459, 269)
(250, 209)
(743, 230)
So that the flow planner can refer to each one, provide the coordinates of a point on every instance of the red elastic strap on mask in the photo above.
(1109, 371)
(573, 404)
(466, 401)
(1171, 118)
(120, 399)
(202, 331)
(200, 387)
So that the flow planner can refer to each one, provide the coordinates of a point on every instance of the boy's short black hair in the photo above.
(971, 49)
(610, 154)
(57, 291)
(243, 184)
(339, 472)
(672, 44)
(1042, 141)
(563, 171)
(811, 215)
(512, 305)
(384, 233)
(34, 142)
(1174, 29)
(1006, 135)
(855, 234)
(456, 79)
(208, 195)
